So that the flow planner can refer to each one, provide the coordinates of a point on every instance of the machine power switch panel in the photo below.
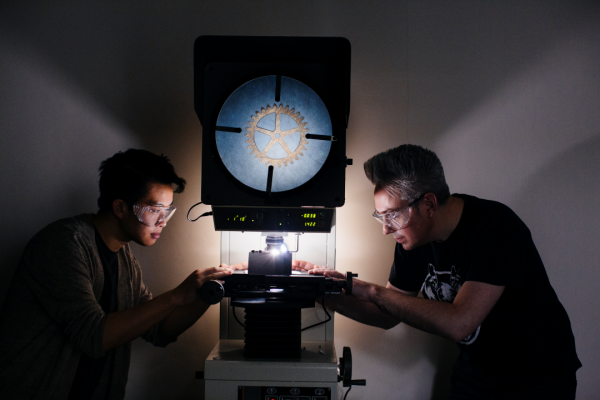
(283, 393)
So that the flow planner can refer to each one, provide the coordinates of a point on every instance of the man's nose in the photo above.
(387, 229)
(162, 223)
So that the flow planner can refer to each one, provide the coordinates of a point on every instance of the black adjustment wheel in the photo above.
(212, 292)
(345, 368)
(347, 355)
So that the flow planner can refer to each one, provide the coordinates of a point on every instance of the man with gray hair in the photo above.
(482, 281)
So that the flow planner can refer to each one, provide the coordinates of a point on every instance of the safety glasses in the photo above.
(153, 215)
(397, 219)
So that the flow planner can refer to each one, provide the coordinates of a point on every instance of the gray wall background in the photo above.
(506, 92)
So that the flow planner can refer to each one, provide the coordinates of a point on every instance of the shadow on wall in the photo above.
(53, 140)
(461, 53)
(544, 110)
(113, 53)
(560, 204)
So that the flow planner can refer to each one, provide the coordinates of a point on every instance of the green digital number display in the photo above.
(310, 224)
(240, 218)
(308, 215)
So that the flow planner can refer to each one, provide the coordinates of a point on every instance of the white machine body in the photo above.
(314, 376)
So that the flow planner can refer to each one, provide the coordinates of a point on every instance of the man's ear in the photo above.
(431, 204)
(119, 207)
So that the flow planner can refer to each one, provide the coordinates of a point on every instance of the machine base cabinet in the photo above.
(230, 376)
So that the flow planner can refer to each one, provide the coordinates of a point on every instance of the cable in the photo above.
(203, 215)
(346, 395)
(236, 318)
(322, 322)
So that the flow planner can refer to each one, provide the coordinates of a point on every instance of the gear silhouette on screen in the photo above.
(277, 136)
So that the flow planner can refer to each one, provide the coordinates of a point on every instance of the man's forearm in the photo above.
(454, 321)
(178, 309)
(124, 326)
(182, 318)
(431, 316)
(364, 312)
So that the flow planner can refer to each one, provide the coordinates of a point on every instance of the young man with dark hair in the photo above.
(482, 279)
(77, 299)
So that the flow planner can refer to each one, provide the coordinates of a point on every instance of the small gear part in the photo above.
(277, 135)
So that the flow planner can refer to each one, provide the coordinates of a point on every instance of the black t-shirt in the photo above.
(527, 334)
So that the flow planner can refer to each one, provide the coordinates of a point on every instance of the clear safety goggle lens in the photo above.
(153, 216)
(395, 219)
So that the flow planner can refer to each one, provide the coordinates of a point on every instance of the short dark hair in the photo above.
(127, 176)
(408, 171)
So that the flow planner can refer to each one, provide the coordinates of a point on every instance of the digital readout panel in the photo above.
(261, 219)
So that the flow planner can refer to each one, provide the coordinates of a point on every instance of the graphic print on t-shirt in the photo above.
(443, 286)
